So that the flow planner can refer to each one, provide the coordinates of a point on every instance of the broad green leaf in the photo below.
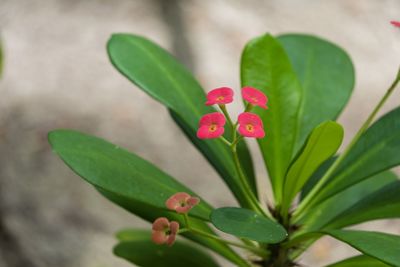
(140, 250)
(381, 204)
(322, 143)
(265, 66)
(377, 150)
(129, 181)
(247, 224)
(118, 171)
(323, 214)
(150, 213)
(326, 75)
(359, 261)
(384, 247)
(161, 76)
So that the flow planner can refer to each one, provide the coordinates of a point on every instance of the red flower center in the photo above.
(212, 128)
(255, 99)
(250, 127)
(220, 98)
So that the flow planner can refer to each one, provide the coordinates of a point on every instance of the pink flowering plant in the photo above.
(294, 87)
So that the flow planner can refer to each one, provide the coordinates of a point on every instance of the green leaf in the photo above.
(322, 143)
(377, 150)
(326, 75)
(140, 250)
(150, 213)
(381, 204)
(316, 177)
(265, 66)
(161, 76)
(384, 247)
(247, 224)
(359, 261)
(130, 182)
(323, 214)
(118, 171)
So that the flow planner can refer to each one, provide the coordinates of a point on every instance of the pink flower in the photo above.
(220, 96)
(255, 97)
(211, 126)
(250, 125)
(181, 202)
(395, 23)
(164, 232)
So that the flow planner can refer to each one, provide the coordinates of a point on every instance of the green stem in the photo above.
(258, 251)
(223, 139)
(248, 193)
(246, 187)
(228, 118)
(317, 188)
(186, 219)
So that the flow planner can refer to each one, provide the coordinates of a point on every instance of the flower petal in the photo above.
(212, 118)
(249, 118)
(259, 132)
(222, 95)
(176, 199)
(159, 237)
(160, 224)
(254, 97)
(193, 201)
(204, 132)
(183, 209)
(171, 240)
(174, 227)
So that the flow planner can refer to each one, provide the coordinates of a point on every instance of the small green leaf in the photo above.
(359, 261)
(326, 212)
(248, 224)
(265, 66)
(384, 247)
(114, 169)
(322, 143)
(161, 76)
(381, 204)
(140, 250)
(377, 150)
(326, 75)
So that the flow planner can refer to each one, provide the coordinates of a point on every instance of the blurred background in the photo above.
(57, 75)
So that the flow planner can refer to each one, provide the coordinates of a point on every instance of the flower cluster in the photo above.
(250, 125)
(164, 231)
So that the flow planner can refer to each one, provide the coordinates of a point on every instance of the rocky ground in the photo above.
(57, 75)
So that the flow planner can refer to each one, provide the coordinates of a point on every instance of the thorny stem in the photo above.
(317, 188)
